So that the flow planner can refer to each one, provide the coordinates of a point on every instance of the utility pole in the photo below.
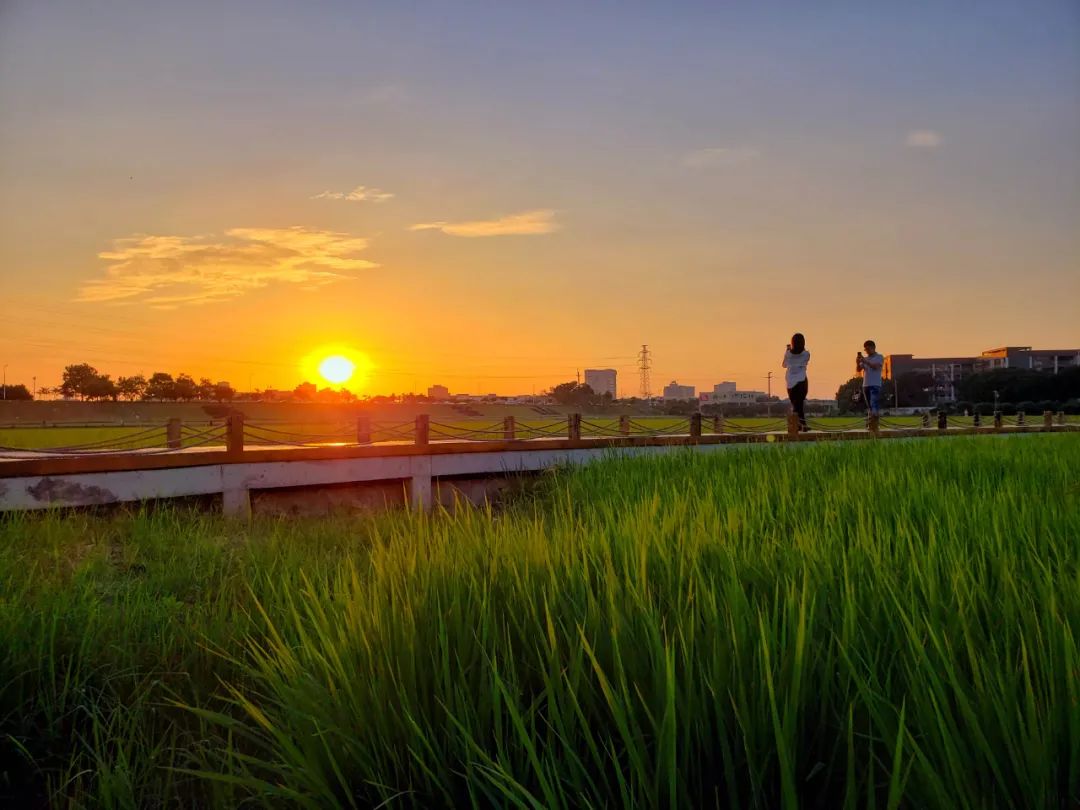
(644, 365)
(33, 387)
(769, 378)
(5, 380)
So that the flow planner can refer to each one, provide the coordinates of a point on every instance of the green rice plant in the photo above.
(875, 625)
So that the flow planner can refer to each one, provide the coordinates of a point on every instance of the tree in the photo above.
(572, 393)
(77, 378)
(305, 391)
(1015, 385)
(223, 392)
(849, 396)
(101, 387)
(17, 391)
(914, 389)
(186, 388)
(161, 386)
(131, 388)
(205, 389)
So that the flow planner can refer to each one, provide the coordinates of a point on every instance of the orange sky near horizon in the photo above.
(221, 193)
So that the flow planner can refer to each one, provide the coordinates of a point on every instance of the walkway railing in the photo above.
(235, 434)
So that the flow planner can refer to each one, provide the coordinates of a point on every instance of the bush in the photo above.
(1008, 409)
(1028, 407)
(984, 408)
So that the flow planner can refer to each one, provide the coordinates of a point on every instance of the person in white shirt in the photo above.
(796, 358)
(870, 369)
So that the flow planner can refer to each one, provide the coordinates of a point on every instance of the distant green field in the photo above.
(206, 432)
(866, 625)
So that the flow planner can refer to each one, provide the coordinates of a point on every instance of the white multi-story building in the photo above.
(601, 380)
(675, 391)
(438, 392)
(727, 393)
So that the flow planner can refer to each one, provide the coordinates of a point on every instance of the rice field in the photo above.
(888, 625)
(206, 432)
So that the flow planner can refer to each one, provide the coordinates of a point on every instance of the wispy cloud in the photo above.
(924, 139)
(165, 272)
(715, 157)
(527, 223)
(358, 194)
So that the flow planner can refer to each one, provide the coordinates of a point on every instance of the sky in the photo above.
(494, 195)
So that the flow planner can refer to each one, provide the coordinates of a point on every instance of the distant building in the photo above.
(438, 393)
(728, 393)
(675, 391)
(601, 380)
(946, 371)
(949, 371)
(1053, 360)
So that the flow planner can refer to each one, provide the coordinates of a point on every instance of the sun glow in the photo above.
(337, 369)
(336, 366)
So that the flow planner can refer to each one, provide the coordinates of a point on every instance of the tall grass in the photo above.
(883, 625)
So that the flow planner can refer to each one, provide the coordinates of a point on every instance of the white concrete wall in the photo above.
(235, 481)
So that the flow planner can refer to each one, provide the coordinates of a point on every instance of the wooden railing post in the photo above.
(874, 424)
(234, 433)
(363, 430)
(926, 420)
(976, 420)
(624, 425)
(423, 429)
(573, 427)
(792, 425)
(1061, 417)
(1048, 419)
(998, 421)
(718, 424)
(942, 420)
(509, 428)
(695, 426)
(1020, 418)
(172, 434)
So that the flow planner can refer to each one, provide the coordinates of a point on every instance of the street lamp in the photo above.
(5, 380)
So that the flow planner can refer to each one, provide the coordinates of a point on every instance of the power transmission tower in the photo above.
(644, 365)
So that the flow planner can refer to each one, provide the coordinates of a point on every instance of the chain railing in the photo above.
(235, 434)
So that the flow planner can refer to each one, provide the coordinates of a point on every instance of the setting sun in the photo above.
(337, 369)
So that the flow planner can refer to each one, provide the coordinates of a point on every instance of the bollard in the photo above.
(508, 428)
(997, 420)
(718, 424)
(926, 420)
(172, 434)
(363, 430)
(1020, 419)
(624, 425)
(792, 425)
(234, 433)
(874, 424)
(423, 429)
(1048, 419)
(976, 420)
(573, 427)
(942, 420)
(695, 426)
